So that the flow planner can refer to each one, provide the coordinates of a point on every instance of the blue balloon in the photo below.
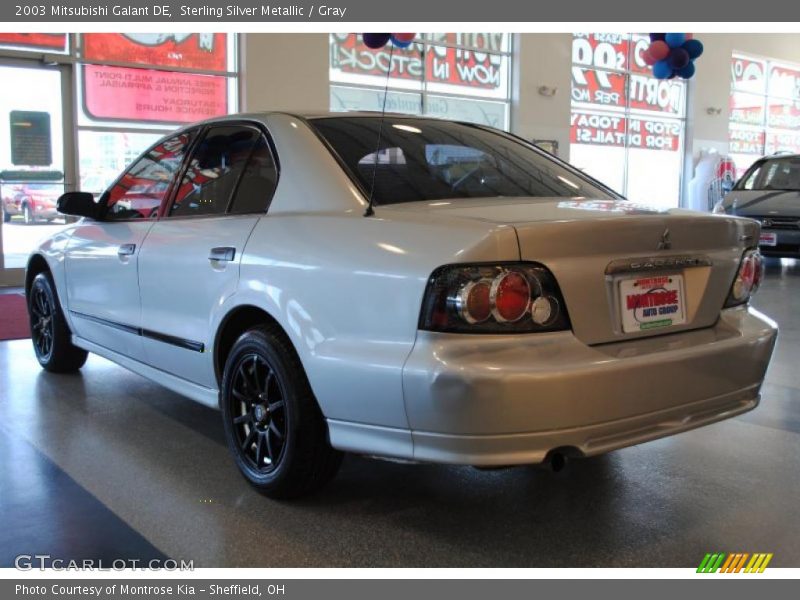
(662, 70)
(687, 72)
(675, 40)
(693, 47)
(401, 43)
(655, 37)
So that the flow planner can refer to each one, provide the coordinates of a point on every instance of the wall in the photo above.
(285, 71)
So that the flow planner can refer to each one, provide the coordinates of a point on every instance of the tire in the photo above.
(273, 425)
(27, 214)
(49, 331)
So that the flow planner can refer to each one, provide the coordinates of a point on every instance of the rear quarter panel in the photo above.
(347, 289)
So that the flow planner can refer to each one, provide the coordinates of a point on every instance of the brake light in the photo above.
(497, 298)
(748, 278)
(511, 295)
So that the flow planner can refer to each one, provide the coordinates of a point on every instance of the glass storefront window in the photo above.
(56, 43)
(627, 127)
(31, 160)
(453, 75)
(764, 109)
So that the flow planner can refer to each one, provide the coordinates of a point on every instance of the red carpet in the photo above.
(13, 317)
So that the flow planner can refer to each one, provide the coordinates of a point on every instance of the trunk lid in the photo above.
(591, 246)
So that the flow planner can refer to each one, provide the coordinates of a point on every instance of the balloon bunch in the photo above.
(672, 55)
(379, 40)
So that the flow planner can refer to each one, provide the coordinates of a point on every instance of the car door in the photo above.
(189, 264)
(102, 255)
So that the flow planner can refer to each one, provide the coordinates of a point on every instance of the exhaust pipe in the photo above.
(557, 462)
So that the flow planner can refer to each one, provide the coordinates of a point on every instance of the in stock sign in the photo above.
(442, 64)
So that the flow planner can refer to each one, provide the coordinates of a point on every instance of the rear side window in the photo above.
(140, 191)
(258, 181)
(214, 170)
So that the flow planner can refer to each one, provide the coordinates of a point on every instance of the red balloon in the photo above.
(689, 36)
(648, 58)
(404, 37)
(659, 50)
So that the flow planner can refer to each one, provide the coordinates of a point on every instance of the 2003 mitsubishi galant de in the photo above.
(401, 287)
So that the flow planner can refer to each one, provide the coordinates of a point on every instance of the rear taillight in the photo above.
(495, 298)
(747, 280)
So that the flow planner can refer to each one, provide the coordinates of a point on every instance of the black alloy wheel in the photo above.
(52, 339)
(259, 413)
(273, 424)
(42, 323)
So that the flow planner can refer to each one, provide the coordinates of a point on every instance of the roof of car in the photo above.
(782, 155)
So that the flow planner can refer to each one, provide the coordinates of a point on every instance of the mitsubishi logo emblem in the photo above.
(665, 243)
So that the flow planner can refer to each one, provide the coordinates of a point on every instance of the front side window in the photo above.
(213, 171)
(423, 159)
(139, 192)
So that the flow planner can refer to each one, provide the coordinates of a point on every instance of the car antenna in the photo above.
(370, 211)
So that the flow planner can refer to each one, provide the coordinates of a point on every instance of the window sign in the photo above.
(31, 138)
(454, 75)
(126, 94)
(204, 51)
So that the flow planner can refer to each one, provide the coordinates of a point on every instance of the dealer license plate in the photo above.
(652, 302)
(768, 239)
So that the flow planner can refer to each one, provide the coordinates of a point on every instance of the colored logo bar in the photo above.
(737, 562)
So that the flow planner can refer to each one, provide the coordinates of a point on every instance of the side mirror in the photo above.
(77, 204)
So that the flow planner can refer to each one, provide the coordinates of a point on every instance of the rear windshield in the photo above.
(782, 174)
(421, 159)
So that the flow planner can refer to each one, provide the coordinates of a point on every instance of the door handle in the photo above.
(126, 250)
(224, 253)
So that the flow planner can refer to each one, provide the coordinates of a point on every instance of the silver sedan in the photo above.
(401, 287)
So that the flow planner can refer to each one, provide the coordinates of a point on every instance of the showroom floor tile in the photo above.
(158, 462)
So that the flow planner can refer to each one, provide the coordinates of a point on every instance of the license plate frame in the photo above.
(652, 302)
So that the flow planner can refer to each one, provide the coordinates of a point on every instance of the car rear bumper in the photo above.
(501, 400)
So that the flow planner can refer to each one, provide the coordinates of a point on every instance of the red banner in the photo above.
(35, 41)
(121, 93)
(611, 130)
(454, 66)
(206, 51)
